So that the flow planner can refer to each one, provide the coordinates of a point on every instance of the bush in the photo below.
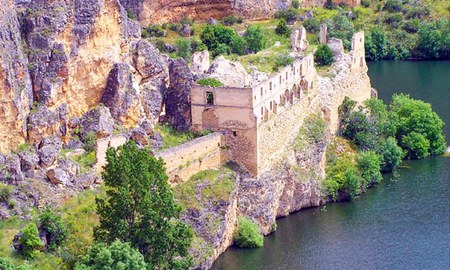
(365, 3)
(411, 26)
(218, 38)
(6, 264)
(254, 38)
(118, 255)
(394, 20)
(247, 234)
(55, 230)
(210, 82)
(239, 45)
(314, 128)
(295, 3)
(343, 182)
(369, 166)
(153, 31)
(5, 192)
(323, 55)
(416, 145)
(230, 20)
(282, 61)
(376, 44)
(341, 27)
(290, 15)
(312, 25)
(29, 241)
(391, 154)
(282, 28)
(184, 49)
(393, 6)
(221, 49)
(90, 141)
(418, 117)
(428, 45)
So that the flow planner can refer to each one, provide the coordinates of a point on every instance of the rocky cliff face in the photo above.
(15, 84)
(157, 12)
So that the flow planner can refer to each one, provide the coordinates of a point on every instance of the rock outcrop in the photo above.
(230, 73)
(177, 99)
(299, 43)
(200, 62)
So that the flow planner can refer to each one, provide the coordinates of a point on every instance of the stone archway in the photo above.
(295, 90)
(304, 85)
(287, 96)
(210, 119)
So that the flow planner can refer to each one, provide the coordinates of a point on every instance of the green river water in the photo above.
(403, 223)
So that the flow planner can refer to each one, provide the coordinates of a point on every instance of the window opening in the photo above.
(209, 98)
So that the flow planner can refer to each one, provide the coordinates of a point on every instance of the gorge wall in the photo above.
(157, 12)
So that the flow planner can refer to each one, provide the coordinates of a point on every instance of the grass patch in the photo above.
(206, 186)
(213, 82)
(172, 137)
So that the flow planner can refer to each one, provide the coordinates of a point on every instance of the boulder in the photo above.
(121, 95)
(58, 176)
(10, 171)
(337, 48)
(86, 180)
(230, 73)
(29, 161)
(147, 59)
(43, 122)
(200, 62)
(98, 121)
(148, 127)
(213, 21)
(49, 150)
(186, 30)
(74, 144)
(177, 98)
(140, 136)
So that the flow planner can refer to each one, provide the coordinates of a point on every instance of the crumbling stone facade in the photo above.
(260, 121)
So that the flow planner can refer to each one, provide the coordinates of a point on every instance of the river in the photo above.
(403, 223)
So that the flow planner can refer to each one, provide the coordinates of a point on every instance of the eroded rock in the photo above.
(200, 62)
(230, 73)
(98, 121)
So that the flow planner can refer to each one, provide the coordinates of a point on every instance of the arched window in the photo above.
(209, 98)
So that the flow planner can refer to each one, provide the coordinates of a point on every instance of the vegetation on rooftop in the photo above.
(172, 137)
(213, 82)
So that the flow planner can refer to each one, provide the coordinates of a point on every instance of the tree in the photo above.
(369, 166)
(184, 49)
(239, 45)
(118, 255)
(416, 145)
(218, 38)
(376, 44)
(417, 116)
(323, 55)
(255, 38)
(139, 208)
(248, 234)
(429, 42)
(53, 227)
(391, 154)
(341, 27)
(29, 242)
(6, 264)
(282, 28)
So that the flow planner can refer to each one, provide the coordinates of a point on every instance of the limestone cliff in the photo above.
(15, 84)
(157, 12)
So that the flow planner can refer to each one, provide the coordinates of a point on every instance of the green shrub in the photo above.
(247, 234)
(369, 165)
(254, 38)
(184, 49)
(131, 15)
(323, 55)
(295, 3)
(117, 255)
(5, 192)
(154, 31)
(230, 20)
(282, 28)
(197, 46)
(90, 141)
(391, 154)
(365, 3)
(210, 82)
(217, 38)
(29, 242)
(239, 45)
(55, 230)
(416, 145)
(314, 128)
(281, 61)
(393, 5)
(7, 264)
(289, 15)
(312, 25)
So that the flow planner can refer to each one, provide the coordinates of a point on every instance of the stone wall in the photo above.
(103, 145)
(231, 111)
(189, 158)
